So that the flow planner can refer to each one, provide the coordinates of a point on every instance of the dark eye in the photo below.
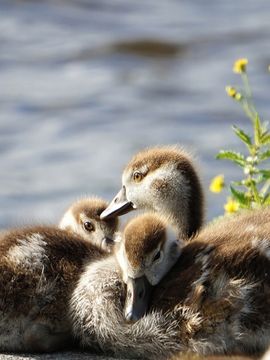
(137, 176)
(157, 256)
(88, 226)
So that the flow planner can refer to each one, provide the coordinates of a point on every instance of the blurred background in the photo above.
(84, 84)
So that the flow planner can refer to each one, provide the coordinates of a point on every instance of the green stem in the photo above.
(248, 110)
(255, 193)
(246, 84)
(249, 97)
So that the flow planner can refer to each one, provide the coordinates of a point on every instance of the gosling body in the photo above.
(214, 299)
(40, 267)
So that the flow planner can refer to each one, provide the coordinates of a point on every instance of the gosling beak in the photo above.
(137, 299)
(119, 206)
(107, 244)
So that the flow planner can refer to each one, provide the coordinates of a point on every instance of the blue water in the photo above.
(85, 84)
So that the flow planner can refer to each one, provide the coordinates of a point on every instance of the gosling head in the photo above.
(148, 250)
(83, 218)
(163, 180)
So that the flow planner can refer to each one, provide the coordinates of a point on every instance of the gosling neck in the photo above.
(186, 215)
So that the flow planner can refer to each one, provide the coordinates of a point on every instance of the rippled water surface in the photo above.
(85, 84)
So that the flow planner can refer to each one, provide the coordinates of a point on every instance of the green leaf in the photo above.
(264, 132)
(240, 196)
(233, 156)
(242, 135)
(264, 129)
(257, 130)
(265, 174)
(265, 155)
(265, 140)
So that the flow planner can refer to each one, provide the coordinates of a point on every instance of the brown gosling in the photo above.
(214, 300)
(83, 218)
(164, 180)
(39, 270)
(219, 287)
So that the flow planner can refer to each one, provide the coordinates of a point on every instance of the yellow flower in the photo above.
(240, 65)
(231, 206)
(217, 184)
(231, 91)
(238, 96)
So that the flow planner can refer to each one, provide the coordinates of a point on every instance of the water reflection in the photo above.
(85, 84)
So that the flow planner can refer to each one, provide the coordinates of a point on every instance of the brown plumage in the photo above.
(164, 180)
(91, 207)
(39, 269)
(83, 218)
(153, 232)
(216, 296)
(154, 158)
(192, 356)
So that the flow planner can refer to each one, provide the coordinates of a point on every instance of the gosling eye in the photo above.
(157, 256)
(88, 226)
(137, 176)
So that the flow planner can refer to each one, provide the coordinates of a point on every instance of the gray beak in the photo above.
(137, 298)
(119, 206)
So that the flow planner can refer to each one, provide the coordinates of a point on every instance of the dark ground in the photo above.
(74, 355)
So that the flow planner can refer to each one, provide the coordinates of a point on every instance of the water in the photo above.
(86, 84)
